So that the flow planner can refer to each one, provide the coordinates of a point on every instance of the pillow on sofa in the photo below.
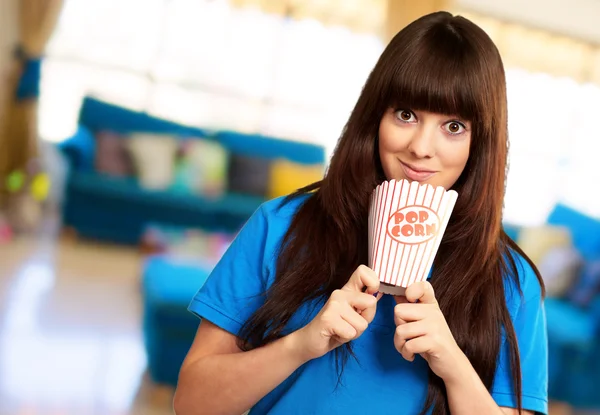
(559, 269)
(154, 158)
(585, 230)
(249, 175)
(536, 241)
(112, 156)
(286, 177)
(587, 286)
(207, 161)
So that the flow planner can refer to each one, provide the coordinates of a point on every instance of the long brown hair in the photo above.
(439, 63)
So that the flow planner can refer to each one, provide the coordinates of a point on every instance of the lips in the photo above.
(416, 173)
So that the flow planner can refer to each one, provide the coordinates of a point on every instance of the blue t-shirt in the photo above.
(379, 381)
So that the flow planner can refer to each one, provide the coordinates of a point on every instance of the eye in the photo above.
(454, 127)
(406, 116)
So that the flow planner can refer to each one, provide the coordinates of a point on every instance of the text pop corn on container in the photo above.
(406, 225)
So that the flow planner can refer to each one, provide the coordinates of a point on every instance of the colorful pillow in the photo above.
(286, 177)
(207, 163)
(585, 230)
(249, 175)
(559, 269)
(537, 241)
(587, 286)
(154, 158)
(112, 157)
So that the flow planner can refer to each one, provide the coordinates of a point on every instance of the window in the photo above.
(206, 63)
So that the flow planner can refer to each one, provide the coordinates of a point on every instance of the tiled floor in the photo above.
(70, 339)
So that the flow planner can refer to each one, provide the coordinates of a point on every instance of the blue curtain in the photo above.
(29, 84)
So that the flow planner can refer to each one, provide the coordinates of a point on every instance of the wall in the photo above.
(576, 18)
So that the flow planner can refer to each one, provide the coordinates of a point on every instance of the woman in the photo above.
(292, 323)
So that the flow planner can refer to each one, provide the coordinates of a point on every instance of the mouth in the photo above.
(416, 173)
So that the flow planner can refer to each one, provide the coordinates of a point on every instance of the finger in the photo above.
(355, 320)
(418, 345)
(411, 330)
(360, 301)
(407, 332)
(363, 279)
(343, 331)
(400, 345)
(398, 321)
(399, 300)
(364, 304)
(422, 292)
(411, 312)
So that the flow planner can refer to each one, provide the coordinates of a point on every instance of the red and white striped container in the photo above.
(407, 221)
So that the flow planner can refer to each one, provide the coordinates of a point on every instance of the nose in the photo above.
(422, 143)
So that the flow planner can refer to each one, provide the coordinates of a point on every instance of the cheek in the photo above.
(457, 156)
(390, 139)
(463, 156)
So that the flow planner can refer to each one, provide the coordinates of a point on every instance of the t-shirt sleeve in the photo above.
(235, 288)
(529, 323)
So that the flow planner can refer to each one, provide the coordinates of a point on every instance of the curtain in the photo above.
(19, 137)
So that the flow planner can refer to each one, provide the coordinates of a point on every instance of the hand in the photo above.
(422, 329)
(344, 317)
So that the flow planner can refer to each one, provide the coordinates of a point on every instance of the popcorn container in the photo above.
(407, 221)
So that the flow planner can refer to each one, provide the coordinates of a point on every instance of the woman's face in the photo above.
(423, 146)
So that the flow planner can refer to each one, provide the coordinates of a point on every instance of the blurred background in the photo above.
(137, 136)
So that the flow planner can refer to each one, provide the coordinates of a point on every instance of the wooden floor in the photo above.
(70, 340)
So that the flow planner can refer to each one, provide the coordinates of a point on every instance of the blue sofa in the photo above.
(117, 209)
(168, 285)
(574, 330)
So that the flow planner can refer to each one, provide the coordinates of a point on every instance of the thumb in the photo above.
(422, 292)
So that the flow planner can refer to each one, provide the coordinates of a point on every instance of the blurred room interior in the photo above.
(137, 136)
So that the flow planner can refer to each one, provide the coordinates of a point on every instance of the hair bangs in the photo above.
(437, 78)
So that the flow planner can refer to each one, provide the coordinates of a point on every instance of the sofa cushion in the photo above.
(118, 209)
(568, 325)
(560, 268)
(168, 285)
(584, 229)
(248, 175)
(173, 281)
(112, 156)
(154, 158)
(587, 285)
(206, 162)
(286, 177)
(537, 241)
